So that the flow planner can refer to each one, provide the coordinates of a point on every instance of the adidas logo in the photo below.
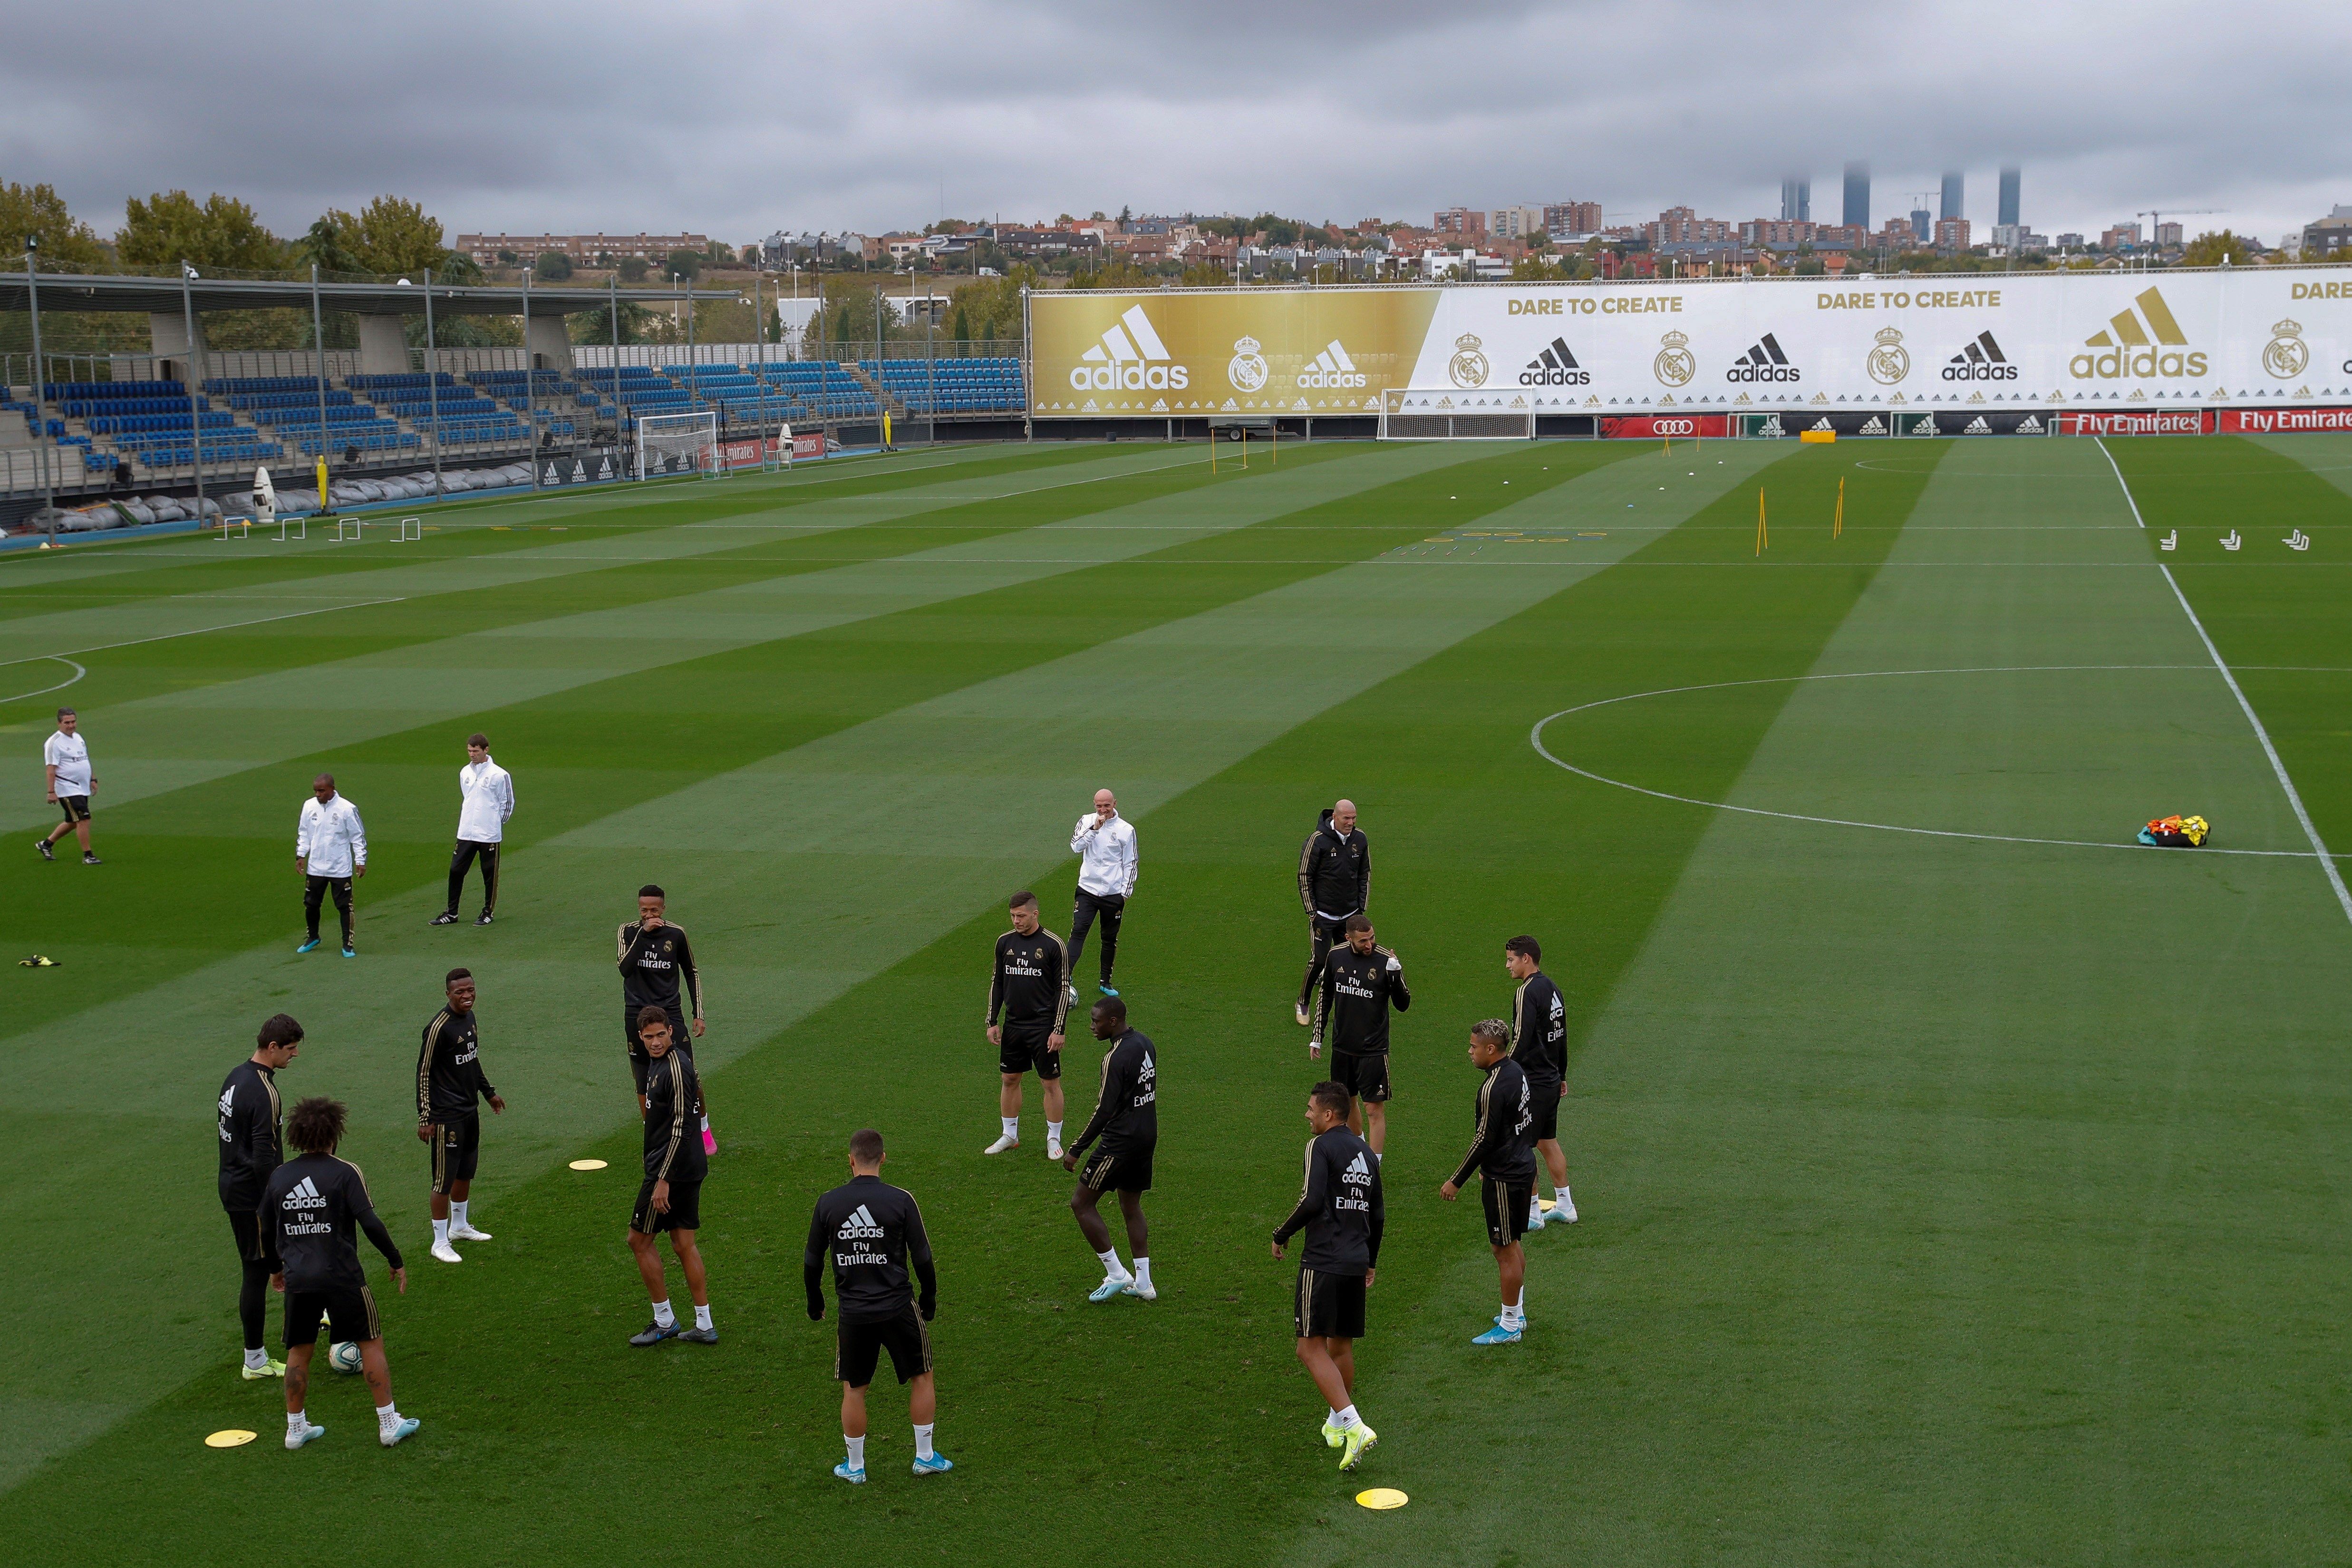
(1765, 362)
(229, 1100)
(2029, 426)
(1555, 367)
(859, 1226)
(1332, 367)
(2138, 344)
(1125, 360)
(1356, 1170)
(1823, 424)
(304, 1195)
(1981, 360)
(1875, 427)
(1977, 426)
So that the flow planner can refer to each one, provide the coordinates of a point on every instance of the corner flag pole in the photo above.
(1837, 523)
(1762, 537)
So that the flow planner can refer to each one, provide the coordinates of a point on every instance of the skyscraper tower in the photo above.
(1797, 200)
(1955, 196)
(2012, 179)
(1857, 194)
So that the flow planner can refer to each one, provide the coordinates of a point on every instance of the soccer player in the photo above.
(486, 796)
(1501, 1152)
(1361, 981)
(251, 1149)
(671, 1198)
(1539, 1044)
(65, 759)
(1127, 1120)
(330, 851)
(308, 1209)
(1027, 987)
(657, 970)
(1335, 880)
(1105, 845)
(1340, 1209)
(450, 1084)
(874, 1233)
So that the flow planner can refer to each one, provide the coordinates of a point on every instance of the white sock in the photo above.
(857, 1452)
(1011, 1126)
(441, 1229)
(1560, 1196)
(1112, 1269)
(457, 1220)
(702, 1315)
(388, 1416)
(923, 1439)
(1143, 1272)
(1343, 1419)
(662, 1314)
(297, 1419)
(1053, 1133)
(256, 1359)
(1514, 1313)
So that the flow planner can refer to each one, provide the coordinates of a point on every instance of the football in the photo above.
(344, 1357)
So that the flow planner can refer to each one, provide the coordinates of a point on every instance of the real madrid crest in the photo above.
(2286, 353)
(1246, 369)
(1676, 364)
(1468, 365)
(1890, 361)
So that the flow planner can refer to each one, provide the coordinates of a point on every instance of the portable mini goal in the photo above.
(1452, 414)
(678, 443)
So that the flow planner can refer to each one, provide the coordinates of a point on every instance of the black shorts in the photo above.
(349, 1310)
(1024, 1049)
(1543, 1099)
(75, 806)
(457, 1151)
(1507, 1205)
(858, 1344)
(684, 1209)
(1328, 1306)
(247, 1228)
(1364, 1076)
(638, 1060)
(1128, 1171)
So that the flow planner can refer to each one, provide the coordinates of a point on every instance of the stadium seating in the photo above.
(950, 385)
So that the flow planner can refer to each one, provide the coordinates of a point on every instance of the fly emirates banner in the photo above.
(2055, 340)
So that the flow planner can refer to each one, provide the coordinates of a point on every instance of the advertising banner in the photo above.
(2274, 421)
(2152, 422)
(1663, 427)
(1978, 341)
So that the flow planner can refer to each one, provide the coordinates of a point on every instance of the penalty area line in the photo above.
(2278, 764)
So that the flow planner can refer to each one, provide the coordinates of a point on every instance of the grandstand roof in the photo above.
(114, 291)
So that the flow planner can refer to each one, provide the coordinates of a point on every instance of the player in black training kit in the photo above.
(1335, 880)
(1361, 981)
(309, 1210)
(250, 1149)
(1026, 987)
(671, 1198)
(1501, 1154)
(450, 1084)
(1341, 1209)
(872, 1232)
(1127, 1120)
(1539, 1044)
(656, 971)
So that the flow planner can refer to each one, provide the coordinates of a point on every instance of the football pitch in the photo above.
(1959, 1182)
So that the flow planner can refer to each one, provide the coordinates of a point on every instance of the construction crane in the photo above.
(2155, 218)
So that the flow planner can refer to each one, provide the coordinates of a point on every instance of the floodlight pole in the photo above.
(319, 360)
(760, 341)
(42, 455)
(613, 320)
(693, 371)
(433, 384)
(195, 418)
(529, 382)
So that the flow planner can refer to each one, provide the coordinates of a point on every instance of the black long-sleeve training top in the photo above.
(1026, 985)
(1339, 1205)
(872, 1233)
(1335, 871)
(309, 1211)
(449, 1078)
(251, 1145)
(657, 968)
(673, 1132)
(1502, 1147)
(1126, 1106)
(1351, 1007)
(1540, 1029)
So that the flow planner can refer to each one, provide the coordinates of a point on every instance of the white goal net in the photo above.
(670, 444)
(1451, 414)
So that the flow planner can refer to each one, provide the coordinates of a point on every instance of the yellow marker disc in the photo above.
(234, 1437)
(1382, 1497)
(587, 1165)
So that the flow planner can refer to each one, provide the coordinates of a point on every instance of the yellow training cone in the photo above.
(587, 1165)
(234, 1437)
(1382, 1497)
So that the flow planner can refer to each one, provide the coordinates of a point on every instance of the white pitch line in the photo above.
(2278, 767)
(78, 673)
(199, 631)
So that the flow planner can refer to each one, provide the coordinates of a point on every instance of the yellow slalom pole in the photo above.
(1837, 523)
(1245, 446)
(1762, 537)
(1278, 443)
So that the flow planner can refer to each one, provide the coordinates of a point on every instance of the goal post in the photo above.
(1450, 414)
(678, 443)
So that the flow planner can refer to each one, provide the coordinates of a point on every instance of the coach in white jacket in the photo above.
(330, 851)
(1103, 842)
(486, 792)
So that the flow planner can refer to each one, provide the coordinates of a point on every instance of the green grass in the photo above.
(1945, 1198)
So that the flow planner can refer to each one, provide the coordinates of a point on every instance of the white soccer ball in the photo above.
(344, 1357)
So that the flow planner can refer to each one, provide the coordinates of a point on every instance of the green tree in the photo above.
(221, 232)
(397, 237)
(687, 264)
(2215, 250)
(719, 253)
(328, 244)
(552, 267)
(632, 268)
(1116, 272)
(66, 244)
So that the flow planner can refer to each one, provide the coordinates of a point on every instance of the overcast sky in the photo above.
(736, 118)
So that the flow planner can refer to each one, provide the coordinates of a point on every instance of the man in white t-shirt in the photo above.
(66, 760)
(486, 792)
